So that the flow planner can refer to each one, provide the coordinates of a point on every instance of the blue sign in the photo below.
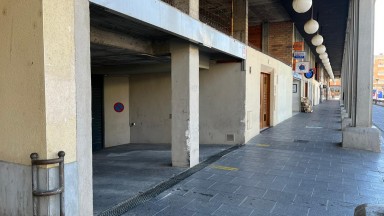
(310, 74)
(299, 55)
(118, 107)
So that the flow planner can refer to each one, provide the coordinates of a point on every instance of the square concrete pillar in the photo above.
(185, 104)
(240, 20)
(361, 134)
(46, 98)
(190, 7)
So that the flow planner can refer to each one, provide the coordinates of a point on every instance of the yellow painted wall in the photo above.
(116, 124)
(60, 86)
(37, 87)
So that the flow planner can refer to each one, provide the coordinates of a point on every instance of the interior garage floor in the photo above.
(124, 171)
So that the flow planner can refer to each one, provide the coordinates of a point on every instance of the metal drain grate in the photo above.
(129, 204)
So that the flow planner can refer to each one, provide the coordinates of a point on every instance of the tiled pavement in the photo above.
(296, 168)
(378, 117)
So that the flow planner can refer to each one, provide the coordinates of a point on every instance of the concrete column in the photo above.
(45, 97)
(83, 107)
(190, 7)
(264, 38)
(240, 20)
(365, 63)
(185, 104)
(361, 135)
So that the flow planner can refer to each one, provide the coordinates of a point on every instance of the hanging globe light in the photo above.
(301, 6)
(326, 60)
(321, 49)
(323, 56)
(311, 26)
(326, 64)
(317, 40)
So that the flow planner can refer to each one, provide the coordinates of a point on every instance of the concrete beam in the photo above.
(133, 69)
(166, 18)
(124, 41)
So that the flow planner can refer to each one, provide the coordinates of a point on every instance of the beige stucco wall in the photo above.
(150, 108)
(281, 90)
(116, 124)
(221, 105)
(37, 88)
(222, 102)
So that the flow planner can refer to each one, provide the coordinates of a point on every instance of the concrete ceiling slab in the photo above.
(266, 11)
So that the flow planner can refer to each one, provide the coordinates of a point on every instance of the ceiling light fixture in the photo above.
(301, 6)
(311, 26)
(317, 40)
(321, 49)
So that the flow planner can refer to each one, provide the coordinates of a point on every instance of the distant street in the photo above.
(378, 117)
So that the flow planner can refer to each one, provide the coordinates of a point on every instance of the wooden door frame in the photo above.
(268, 120)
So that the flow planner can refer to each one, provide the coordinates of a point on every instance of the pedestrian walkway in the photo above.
(378, 117)
(296, 168)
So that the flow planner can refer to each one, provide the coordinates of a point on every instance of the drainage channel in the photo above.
(131, 203)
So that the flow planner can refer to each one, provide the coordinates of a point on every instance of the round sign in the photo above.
(309, 75)
(119, 107)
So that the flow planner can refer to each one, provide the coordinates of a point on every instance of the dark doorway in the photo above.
(97, 112)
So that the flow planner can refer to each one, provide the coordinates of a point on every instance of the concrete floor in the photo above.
(296, 168)
(124, 171)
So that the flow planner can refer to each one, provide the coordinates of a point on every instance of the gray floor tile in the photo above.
(262, 206)
(302, 172)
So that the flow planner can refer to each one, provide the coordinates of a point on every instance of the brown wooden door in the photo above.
(306, 90)
(264, 100)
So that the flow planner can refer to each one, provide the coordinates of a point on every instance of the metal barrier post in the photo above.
(38, 193)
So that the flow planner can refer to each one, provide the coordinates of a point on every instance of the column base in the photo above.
(362, 138)
(345, 121)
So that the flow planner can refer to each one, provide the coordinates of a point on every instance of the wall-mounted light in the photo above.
(301, 6)
(321, 49)
(317, 40)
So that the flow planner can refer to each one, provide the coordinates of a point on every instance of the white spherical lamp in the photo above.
(317, 40)
(321, 49)
(301, 6)
(311, 26)
(326, 60)
(323, 56)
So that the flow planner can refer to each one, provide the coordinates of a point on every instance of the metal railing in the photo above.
(40, 193)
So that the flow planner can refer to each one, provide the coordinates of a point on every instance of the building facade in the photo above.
(79, 76)
(378, 77)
